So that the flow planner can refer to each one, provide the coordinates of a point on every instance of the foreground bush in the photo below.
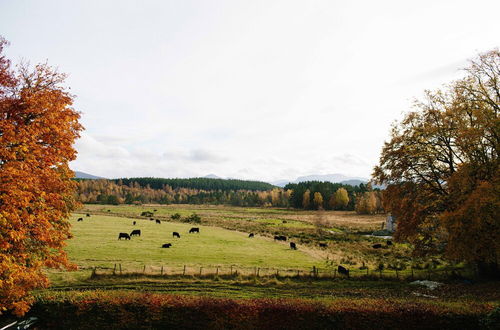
(132, 310)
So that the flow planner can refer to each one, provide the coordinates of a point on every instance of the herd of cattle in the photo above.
(137, 232)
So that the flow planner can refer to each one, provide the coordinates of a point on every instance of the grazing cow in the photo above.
(151, 219)
(389, 242)
(109, 210)
(283, 238)
(158, 221)
(133, 223)
(88, 215)
(343, 271)
(135, 232)
(377, 246)
(124, 235)
(176, 234)
(251, 235)
(323, 245)
(284, 221)
(155, 210)
(293, 246)
(194, 230)
(80, 219)
(166, 246)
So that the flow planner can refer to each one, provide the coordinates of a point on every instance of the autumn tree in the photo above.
(306, 199)
(318, 200)
(339, 199)
(37, 131)
(442, 170)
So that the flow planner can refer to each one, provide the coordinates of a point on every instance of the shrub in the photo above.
(147, 214)
(175, 216)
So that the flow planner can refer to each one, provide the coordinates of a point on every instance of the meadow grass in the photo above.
(95, 244)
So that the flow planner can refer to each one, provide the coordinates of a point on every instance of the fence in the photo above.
(314, 272)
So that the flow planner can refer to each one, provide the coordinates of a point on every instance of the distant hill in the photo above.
(83, 175)
(333, 178)
(212, 176)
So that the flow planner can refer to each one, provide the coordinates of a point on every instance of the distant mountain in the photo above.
(334, 178)
(212, 176)
(354, 182)
(82, 175)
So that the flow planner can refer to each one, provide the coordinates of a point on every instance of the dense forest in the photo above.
(199, 183)
(304, 195)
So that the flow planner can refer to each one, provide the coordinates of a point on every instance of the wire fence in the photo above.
(314, 272)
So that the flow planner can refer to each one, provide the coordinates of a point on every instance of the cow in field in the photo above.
(158, 221)
(124, 235)
(194, 230)
(88, 215)
(284, 221)
(251, 235)
(293, 246)
(80, 219)
(135, 232)
(151, 219)
(155, 210)
(133, 223)
(389, 242)
(176, 234)
(166, 245)
(109, 210)
(280, 238)
(343, 271)
(377, 246)
(323, 245)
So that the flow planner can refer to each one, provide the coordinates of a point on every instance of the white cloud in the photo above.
(252, 89)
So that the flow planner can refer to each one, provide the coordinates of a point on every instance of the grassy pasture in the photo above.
(96, 244)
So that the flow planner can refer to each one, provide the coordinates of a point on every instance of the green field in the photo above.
(95, 244)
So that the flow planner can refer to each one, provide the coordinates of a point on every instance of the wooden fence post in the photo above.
(114, 270)
(184, 271)
(200, 270)
(120, 269)
(277, 273)
(144, 269)
(258, 271)
(161, 273)
(217, 271)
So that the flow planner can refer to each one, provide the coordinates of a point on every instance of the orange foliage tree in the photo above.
(442, 169)
(37, 130)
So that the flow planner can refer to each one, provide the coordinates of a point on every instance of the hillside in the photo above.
(200, 183)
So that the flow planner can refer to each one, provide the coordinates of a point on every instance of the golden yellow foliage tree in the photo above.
(37, 131)
(318, 200)
(306, 199)
(340, 199)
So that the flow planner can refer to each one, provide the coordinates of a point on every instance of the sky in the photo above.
(260, 90)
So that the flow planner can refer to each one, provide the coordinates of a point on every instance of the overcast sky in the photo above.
(247, 89)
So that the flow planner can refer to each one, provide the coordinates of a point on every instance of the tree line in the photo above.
(199, 183)
(305, 195)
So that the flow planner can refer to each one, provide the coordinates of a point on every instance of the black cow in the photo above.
(88, 215)
(377, 246)
(80, 219)
(284, 221)
(343, 271)
(109, 210)
(135, 232)
(158, 221)
(194, 230)
(166, 246)
(293, 246)
(389, 242)
(155, 210)
(280, 238)
(151, 219)
(176, 234)
(133, 223)
(251, 235)
(124, 235)
(323, 245)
